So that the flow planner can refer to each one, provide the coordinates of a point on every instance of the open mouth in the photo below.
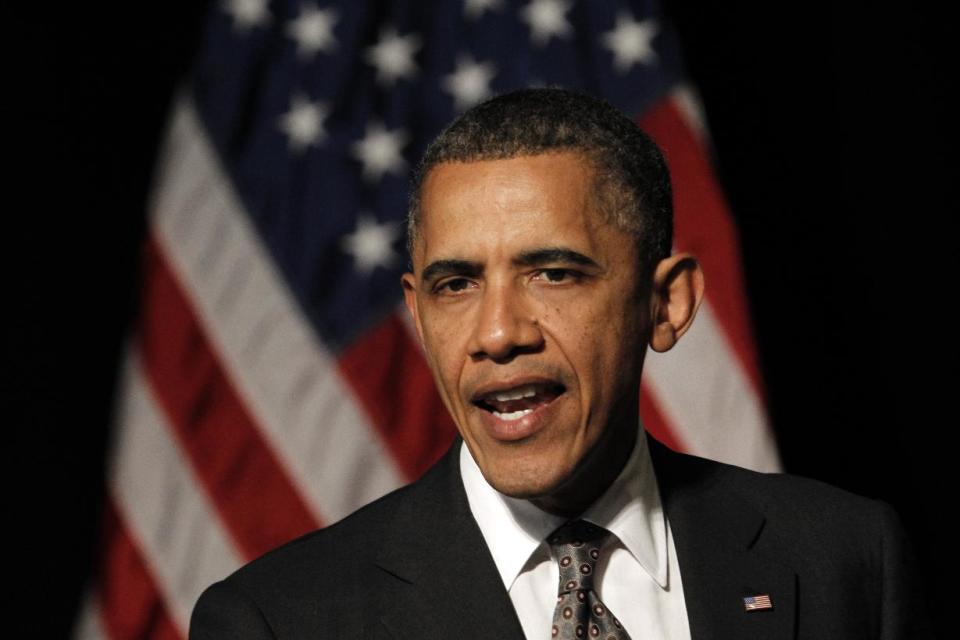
(519, 401)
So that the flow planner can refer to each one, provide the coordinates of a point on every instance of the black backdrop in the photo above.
(831, 137)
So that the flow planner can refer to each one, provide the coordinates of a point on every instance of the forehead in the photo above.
(485, 208)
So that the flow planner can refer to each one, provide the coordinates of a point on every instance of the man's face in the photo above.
(528, 305)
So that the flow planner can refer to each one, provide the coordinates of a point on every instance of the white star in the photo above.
(475, 8)
(470, 82)
(313, 30)
(379, 151)
(631, 42)
(371, 245)
(247, 13)
(393, 56)
(547, 19)
(303, 123)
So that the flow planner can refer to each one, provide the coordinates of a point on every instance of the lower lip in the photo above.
(528, 425)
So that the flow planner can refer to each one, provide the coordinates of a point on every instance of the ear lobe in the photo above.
(677, 293)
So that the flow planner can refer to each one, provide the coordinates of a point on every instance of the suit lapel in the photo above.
(435, 569)
(719, 537)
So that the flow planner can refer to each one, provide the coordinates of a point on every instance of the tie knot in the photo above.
(578, 546)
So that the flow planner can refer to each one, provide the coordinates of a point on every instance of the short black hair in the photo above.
(633, 182)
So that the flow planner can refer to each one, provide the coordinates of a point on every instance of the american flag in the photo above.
(272, 384)
(757, 603)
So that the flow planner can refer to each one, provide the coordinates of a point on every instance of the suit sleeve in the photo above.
(224, 611)
(903, 611)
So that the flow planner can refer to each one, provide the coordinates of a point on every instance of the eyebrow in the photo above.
(533, 258)
(447, 267)
(553, 255)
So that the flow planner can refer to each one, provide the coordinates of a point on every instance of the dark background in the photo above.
(831, 140)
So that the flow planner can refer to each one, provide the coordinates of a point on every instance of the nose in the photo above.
(504, 326)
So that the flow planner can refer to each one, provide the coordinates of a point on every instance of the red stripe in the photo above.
(654, 422)
(703, 225)
(387, 372)
(130, 604)
(248, 485)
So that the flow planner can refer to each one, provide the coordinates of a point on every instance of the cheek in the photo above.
(585, 324)
(585, 338)
(443, 356)
(602, 342)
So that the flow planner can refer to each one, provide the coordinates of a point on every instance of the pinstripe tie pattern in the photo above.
(578, 546)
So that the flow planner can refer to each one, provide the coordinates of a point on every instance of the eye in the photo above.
(453, 285)
(558, 276)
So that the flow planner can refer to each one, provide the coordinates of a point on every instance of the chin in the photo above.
(523, 483)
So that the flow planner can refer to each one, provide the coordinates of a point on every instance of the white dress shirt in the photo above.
(639, 580)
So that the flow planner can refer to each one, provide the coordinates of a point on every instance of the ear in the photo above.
(674, 300)
(409, 282)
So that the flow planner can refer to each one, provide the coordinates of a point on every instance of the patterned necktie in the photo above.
(578, 546)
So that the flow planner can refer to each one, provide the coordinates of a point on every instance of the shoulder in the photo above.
(803, 500)
(850, 553)
(343, 548)
(290, 586)
(825, 533)
(289, 589)
(782, 496)
(804, 517)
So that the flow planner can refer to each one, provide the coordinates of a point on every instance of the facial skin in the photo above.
(521, 287)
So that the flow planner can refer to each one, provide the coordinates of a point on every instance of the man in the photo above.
(540, 236)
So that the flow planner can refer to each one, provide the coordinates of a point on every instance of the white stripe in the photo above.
(278, 366)
(89, 624)
(170, 520)
(686, 99)
(707, 399)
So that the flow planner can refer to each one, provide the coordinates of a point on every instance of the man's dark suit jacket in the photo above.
(415, 565)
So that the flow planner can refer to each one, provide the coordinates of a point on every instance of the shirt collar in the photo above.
(630, 509)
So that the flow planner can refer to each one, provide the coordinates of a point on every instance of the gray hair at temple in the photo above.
(632, 179)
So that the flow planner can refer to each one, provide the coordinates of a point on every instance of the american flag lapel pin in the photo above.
(757, 603)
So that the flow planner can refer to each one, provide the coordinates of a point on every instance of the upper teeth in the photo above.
(527, 391)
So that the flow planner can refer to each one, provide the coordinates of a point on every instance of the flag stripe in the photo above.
(705, 396)
(687, 102)
(390, 377)
(704, 226)
(128, 601)
(269, 351)
(90, 621)
(240, 472)
(654, 421)
(157, 497)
